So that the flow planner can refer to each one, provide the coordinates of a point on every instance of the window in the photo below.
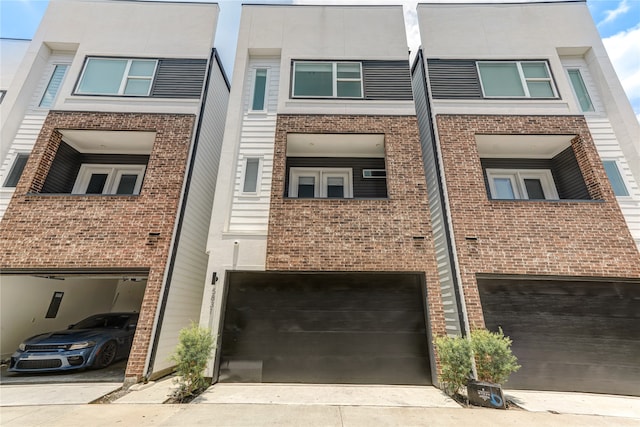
(580, 90)
(16, 170)
(532, 184)
(327, 79)
(251, 175)
(615, 177)
(112, 76)
(2, 94)
(109, 179)
(374, 173)
(54, 85)
(516, 79)
(333, 183)
(259, 90)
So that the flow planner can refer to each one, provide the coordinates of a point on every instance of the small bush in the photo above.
(492, 352)
(455, 359)
(192, 354)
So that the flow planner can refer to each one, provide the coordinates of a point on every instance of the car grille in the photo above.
(39, 364)
(44, 347)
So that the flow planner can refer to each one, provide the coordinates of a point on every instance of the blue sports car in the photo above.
(95, 342)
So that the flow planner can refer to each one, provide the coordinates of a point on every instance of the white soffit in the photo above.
(522, 146)
(335, 145)
(111, 142)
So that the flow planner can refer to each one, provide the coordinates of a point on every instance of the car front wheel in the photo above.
(106, 355)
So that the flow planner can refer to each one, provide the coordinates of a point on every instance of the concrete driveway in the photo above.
(110, 374)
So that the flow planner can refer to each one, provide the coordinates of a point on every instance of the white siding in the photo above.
(250, 214)
(187, 282)
(30, 126)
(609, 149)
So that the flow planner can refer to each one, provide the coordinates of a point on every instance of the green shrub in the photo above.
(455, 360)
(191, 356)
(492, 352)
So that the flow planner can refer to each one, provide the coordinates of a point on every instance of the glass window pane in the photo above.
(306, 186)
(613, 173)
(335, 187)
(504, 190)
(16, 170)
(142, 68)
(137, 87)
(259, 90)
(251, 176)
(53, 86)
(349, 89)
(540, 89)
(534, 189)
(534, 70)
(501, 79)
(102, 76)
(313, 79)
(348, 71)
(581, 90)
(96, 183)
(127, 184)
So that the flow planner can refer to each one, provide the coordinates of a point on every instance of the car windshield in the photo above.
(102, 321)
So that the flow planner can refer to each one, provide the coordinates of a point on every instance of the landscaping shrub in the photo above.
(494, 359)
(192, 354)
(455, 360)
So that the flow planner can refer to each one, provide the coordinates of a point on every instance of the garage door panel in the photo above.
(301, 344)
(341, 370)
(322, 320)
(568, 335)
(563, 325)
(325, 328)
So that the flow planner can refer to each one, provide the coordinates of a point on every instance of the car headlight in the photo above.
(81, 345)
(22, 346)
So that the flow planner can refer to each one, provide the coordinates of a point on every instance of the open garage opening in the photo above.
(336, 328)
(45, 304)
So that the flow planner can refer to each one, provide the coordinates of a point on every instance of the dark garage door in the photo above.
(325, 328)
(568, 335)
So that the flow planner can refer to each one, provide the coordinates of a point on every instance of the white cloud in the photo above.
(612, 14)
(624, 51)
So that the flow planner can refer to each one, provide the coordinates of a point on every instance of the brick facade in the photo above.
(351, 234)
(525, 237)
(51, 232)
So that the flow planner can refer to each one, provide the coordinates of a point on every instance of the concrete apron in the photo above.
(53, 394)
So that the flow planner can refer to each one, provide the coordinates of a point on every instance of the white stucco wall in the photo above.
(529, 31)
(12, 52)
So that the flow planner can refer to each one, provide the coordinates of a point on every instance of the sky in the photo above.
(618, 22)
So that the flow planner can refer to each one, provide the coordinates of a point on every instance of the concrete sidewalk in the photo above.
(141, 415)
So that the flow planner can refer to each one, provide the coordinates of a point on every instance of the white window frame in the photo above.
(523, 79)
(334, 78)
(321, 176)
(55, 96)
(258, 177)
(114, 173)
(12, 170)
(265, 106)
(517, 177)
(622, 178)
(125, 76)
(581, 72)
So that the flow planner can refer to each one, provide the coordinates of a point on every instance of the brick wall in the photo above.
(62, 231)
(357, 235)
(567, 238)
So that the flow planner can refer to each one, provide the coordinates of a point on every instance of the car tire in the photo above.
(106, 355)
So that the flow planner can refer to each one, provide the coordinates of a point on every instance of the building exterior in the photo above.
(522, 121)
(322, 267)
(105, 116)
